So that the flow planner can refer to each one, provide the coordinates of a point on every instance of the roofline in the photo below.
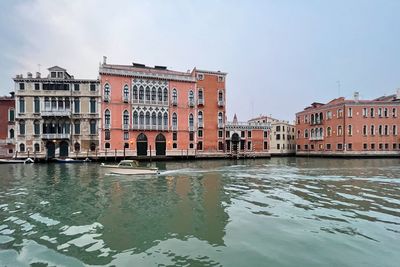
(212, 72)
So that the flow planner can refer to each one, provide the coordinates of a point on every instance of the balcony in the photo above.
(107, 126)
(10, 140)
(200, 124)
(174, 102)
(150, 127)
(174, 127)
(106, 98)
(56, 113)
(316, 138)
(56, 136)
(125, 126)
(221, 103)
(126, 99)
(220, 125)
(191, 103)
(191, 128)
(200, 101)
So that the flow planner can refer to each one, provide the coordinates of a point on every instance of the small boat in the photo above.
(129, 167)
(69, 160)
(13, 161)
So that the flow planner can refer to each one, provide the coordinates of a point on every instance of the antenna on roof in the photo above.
(338, 83)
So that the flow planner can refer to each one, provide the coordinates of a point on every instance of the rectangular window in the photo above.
(386, 146)
(11, 115)
(37, 86)
(174, 136)
(372, 113)
(380, 146)
(350, 112)
(76, 106)
(380, 112)
(174, 145)
(278, 146)
(76, 87)
(191, 136)
(242, 134)
(350, 146)
(249, 147)
(22, 86)
(200, 133)
(265, 134)
(365, 146)
(227, 134)
(394, 146)
(126, 135)
(265, 145)
(365, 112)
(278, 137)
(278, 128)
(93, 127)
(339, 146)
(200, 145)
(220, 134)
(21, 105)
(220, 146)
(372, 146)
(312, 147)
(306, 147)
(328, 146)
(53, 74)
(298, 147)
(394, 113)
(77, 128)
(92, 87)
(249, 134)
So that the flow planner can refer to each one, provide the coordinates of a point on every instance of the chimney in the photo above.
(37, 75)
(29, 74)
(104, 60)
(398, 93)
(356, 96)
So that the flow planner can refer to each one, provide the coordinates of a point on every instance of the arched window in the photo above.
(36, 104)
(135, 92)
(394, 129)
(147, 94)
(372, 130)
(36, 126)
(147, 118)
(153, 118)
(60, 104)
(321, 132)
(12, 135)
(126, 118)
(21, 147)
(349, 130)
(141, 118)
(22, 127)
(165, 95)
(153, 94)
(166, 119)
(141, 93)
(92, 146)
(135, 118)
(67, 103)
(312, 119)
(220, 96)
(159, 94)
(107, 118)
(386, 132)
(47, 103)
(126, 92)
(312, 133)
(174, 120)
(93, 128)
(159, 119)
(298, 133)
(328, 131)
(306, 133)
(220, 118)
(365, 130)
(380, 130)
(174, 96)
(191, 97)
(191, 120)
(107, 145)
(339, 131)
(37, 147)
(107, 91)
(200, 118)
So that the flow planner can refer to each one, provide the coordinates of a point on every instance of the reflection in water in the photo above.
(278, 212)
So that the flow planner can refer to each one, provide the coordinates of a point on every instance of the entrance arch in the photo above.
(235, 142)
(63, 149)
(141, 145)
(161, 145)
(51, 149)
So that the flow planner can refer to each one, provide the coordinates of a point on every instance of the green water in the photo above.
(278, 212)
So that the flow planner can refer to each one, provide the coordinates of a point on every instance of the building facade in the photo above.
(57, 115)
(7, 126)
(350, 127)
(244, 139)
(154, 111)
(282, 135)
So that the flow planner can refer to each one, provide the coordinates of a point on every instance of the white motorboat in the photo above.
(129, 167)
(13, 161)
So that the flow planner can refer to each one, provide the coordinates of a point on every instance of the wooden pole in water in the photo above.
(115, 154)
(150, 153)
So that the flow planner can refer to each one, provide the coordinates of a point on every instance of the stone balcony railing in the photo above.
(150, 127)
(316, 138)
(221, 103)
(56, 112)
(200, 101)
(56, 136)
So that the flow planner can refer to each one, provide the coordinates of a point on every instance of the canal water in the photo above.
(271, 212)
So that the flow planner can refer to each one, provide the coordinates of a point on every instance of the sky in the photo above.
(280, 55)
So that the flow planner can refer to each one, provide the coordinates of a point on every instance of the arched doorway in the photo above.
(51, 149)
(235, 142)
(161, 145)
(141, 145)
(63, 149)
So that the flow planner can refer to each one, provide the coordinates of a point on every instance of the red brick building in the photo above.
(7, 131)
(148, 111)
(350, 127)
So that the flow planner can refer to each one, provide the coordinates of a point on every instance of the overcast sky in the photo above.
(280, 55)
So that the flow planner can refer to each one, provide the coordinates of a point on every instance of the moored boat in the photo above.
(129, 167)
(69, 160)
(14, 161)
